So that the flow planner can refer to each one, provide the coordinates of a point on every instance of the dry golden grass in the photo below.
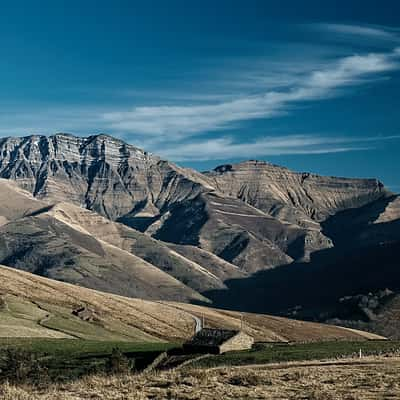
(351, 379)
(162, 320)
(271, 328)
(149, 317)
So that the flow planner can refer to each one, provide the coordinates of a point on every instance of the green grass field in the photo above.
(65, 359)
(271, 353)
(72, 347)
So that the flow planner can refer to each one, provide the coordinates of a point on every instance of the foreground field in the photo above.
(61, 360)
(45, 362)
(351, 379)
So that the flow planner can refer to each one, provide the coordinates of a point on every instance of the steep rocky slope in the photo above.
(355, 283)
(237, 233)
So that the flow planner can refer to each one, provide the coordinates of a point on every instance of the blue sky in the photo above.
(310, 85)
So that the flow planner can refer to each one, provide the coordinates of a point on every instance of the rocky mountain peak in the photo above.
(69, 148)
(99, 172)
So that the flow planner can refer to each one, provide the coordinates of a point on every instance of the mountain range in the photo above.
(100, 213)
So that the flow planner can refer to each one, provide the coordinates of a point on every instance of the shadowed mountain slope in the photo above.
(356, 282)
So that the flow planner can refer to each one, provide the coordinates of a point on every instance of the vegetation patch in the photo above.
(66, 359)
(274, 353)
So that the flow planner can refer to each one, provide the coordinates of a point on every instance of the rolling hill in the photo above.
(33, 306)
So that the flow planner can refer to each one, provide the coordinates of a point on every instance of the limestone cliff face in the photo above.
(292, 196)
(100, 173)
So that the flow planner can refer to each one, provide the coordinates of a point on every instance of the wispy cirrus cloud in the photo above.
(227, 148)
(376, 32)
(179, 121)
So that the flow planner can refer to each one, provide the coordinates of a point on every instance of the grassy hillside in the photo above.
(33, 306)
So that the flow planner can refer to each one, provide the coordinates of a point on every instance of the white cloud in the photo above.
(179, 121)
(382, 33)
(351, 69)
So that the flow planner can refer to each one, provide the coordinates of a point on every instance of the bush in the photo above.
(17, 366)
(118, 363)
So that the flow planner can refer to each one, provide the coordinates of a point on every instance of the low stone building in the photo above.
(218, 341)
(85, 314)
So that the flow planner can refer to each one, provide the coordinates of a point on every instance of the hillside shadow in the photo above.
(365, 259)
(344, 226)
(315, 286)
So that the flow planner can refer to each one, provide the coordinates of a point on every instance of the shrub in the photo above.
(17, 365)
(118, 363)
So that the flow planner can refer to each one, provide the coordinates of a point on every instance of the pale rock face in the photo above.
(292, 196)
(391, 211)
(99, 172)
(299, 200)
